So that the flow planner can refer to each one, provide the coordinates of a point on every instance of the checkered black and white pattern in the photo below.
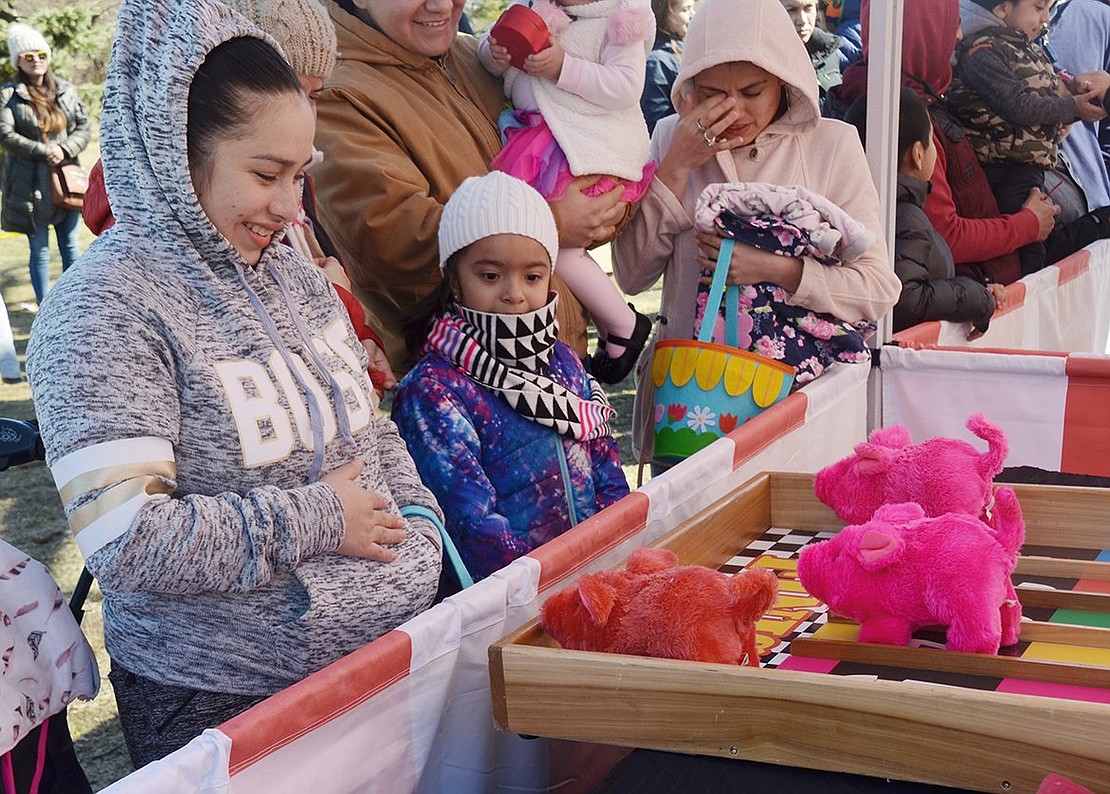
(782, 543)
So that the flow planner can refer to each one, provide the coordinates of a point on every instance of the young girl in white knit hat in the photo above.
(506, 427)
(577, 113)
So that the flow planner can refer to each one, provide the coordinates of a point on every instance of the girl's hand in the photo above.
(368, 526)
(499, 54)
(547, 63)
(379, 362)
(1088, 105)
(334, 270)
(749, 265)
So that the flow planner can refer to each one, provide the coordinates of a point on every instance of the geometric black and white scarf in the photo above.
(510, 354)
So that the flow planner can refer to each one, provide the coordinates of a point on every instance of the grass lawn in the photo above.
(31, 518)
(31, 514)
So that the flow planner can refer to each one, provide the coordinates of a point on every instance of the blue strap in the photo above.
(449, 549)
(568, 486)
(732, 315)
(716, 292)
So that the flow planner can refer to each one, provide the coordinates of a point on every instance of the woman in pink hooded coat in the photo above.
(747, 103)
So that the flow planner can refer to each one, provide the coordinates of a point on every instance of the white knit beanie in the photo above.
(302, 28)
(496, 203)
(24, 38)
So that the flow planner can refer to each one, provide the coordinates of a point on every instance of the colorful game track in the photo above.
(797, 614)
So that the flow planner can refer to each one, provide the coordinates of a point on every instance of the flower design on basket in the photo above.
(676, 411)
(728, 422)
(701, 419)
(660, 412)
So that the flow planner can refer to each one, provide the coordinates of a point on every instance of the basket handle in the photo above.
(716, 292)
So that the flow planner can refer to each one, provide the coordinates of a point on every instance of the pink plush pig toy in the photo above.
(655, 607)
(901, 571)
(943, 475)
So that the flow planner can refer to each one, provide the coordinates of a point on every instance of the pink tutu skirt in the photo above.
(532, 154)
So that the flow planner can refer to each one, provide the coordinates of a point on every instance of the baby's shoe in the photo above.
(614, 370)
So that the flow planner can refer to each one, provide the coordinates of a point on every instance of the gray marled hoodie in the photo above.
(181, 395)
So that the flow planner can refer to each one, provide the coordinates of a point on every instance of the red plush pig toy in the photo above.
(901, 571)
(655, 607)
(943, 475)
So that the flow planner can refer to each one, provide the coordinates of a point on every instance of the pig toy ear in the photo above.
(598, 598)
(893, 437)
(877, 549)
(870, 459)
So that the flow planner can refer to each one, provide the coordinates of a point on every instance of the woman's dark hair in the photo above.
(219, 98)
(49, 115)
(914, 124)
(661, 8)
(418, 321)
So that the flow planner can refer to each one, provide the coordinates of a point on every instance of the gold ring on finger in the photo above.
(701, 127)
(709, 141)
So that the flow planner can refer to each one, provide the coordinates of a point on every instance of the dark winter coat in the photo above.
(931, 290)
(495, 473)
(27, 202)
(823, 49)
(662, 69)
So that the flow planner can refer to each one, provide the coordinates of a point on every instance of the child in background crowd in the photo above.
(931, 290)
(1015, 108)
(506, 427)
(577, 113)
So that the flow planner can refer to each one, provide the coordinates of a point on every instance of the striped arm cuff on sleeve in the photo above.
(124, 475)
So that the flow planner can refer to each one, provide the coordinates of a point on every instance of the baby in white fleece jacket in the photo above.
(577, 113)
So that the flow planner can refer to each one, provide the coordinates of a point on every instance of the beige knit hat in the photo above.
(24, 38)
(302, 28)
(496, 203)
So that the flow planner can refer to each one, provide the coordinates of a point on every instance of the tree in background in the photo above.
(80, 34)
(483, 13)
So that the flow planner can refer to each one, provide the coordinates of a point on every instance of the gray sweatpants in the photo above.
(160, 718)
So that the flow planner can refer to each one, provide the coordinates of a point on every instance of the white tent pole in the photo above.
(883, 85)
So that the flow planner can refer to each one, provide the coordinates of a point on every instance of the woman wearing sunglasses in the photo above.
(42, 123)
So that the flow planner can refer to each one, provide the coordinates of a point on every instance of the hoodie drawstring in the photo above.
(315, 411)
(337, 396)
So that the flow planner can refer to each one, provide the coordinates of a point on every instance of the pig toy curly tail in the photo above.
(991, 461)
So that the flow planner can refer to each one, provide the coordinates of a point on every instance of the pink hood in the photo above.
(760, 32)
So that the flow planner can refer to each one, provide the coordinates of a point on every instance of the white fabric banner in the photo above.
(1065, 308)
(431, 729)
(933, 392)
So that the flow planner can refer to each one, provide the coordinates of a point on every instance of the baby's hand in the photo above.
(499, 54)
(547, 64)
